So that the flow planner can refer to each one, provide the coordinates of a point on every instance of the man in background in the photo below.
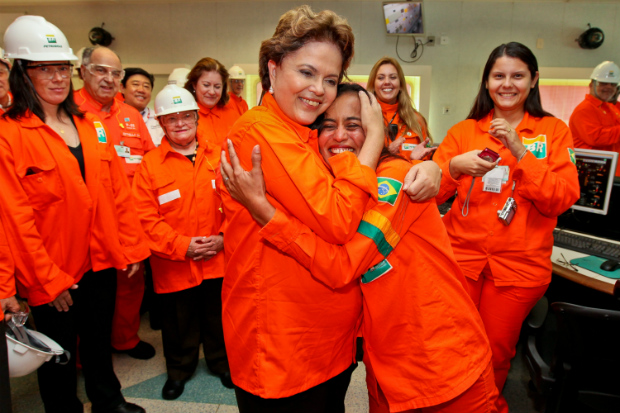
(137, 87)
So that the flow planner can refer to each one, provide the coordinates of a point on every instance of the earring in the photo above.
(271, 89)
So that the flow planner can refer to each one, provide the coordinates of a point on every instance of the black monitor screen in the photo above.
(596, 174)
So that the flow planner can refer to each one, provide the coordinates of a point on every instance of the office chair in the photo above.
(586, 360)
(540, 334)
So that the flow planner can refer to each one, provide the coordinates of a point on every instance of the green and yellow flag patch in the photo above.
(571, 155)
(388, 189)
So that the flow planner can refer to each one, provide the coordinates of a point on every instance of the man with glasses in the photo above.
(5, 95)
(102, 73)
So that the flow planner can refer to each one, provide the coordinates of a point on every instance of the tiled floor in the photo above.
(142, 382)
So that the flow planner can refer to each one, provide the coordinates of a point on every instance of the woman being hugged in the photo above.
(407, 131)
(506, 257)
(69, 217)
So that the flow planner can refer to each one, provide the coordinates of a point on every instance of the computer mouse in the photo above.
(610, 265)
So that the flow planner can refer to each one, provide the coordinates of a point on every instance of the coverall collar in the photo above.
(302, 131)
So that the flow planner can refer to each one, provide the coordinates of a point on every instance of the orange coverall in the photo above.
(126, 128)
(215, 123)
(242, 105)
(517, 255)
(170, 226)
(596, 125)
(411, 138)
(424, 340)
(286, 332)
(48, 211)
(7, 270)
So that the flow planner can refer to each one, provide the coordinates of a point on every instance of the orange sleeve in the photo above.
(587, 125)
(35, 270)
(551, 186)
(379, 232)
(448, 149)
(332, 206)
(162, 239)
(130, 233)
(7, 267)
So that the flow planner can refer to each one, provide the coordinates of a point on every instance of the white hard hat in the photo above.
(173, 99)
(33, 38)
(606, 72)
(178, 76)
(24, 358)
(3, 60)
(236, 72)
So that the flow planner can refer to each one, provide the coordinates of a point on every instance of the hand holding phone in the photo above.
(489, 155)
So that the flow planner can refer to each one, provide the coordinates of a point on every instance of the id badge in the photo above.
(493, 180)
(123, 151)
(408, 146)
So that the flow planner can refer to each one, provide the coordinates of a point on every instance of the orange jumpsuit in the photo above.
(511, 257)
(424, 341)
(215, 123)
(390, 113)
(286, 332)
(178, 200)
(242, 105)
(48, 211)
(169, 226)
(127, 129)
(596, 125)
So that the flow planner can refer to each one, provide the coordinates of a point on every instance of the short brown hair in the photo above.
(300, 26)
(208, 64)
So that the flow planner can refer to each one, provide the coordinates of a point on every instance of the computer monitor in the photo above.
(403, 18)
(596, 178)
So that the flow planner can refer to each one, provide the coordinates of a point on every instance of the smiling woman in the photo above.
(290, 339)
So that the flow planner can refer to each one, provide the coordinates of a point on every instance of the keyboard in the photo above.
(586, 245)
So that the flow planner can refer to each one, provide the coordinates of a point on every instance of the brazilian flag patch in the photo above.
(377, 271)
(571, 155)
(388, 189)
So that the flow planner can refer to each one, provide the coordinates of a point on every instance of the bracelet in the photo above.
(522, 155)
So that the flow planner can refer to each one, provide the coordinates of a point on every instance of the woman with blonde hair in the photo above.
(208, 83)
(407, 131)
(290, 339)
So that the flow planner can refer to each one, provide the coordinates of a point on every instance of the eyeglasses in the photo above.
(237, 80)
(4, 72)
(47, 71)
(184, 118)
(104, 70)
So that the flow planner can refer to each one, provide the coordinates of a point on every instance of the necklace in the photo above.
(195, 152)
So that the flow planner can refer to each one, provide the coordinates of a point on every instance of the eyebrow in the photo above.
(315, 70)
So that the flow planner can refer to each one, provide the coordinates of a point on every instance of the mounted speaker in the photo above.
(592, 38)
(100, 36)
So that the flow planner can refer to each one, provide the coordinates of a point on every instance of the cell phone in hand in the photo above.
(489, 155)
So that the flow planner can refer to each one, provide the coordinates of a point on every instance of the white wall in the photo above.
(231, 31)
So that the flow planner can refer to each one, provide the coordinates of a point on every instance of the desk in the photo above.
(584, 277)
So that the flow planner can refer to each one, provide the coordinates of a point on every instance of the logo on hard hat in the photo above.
(176, 99)
(611, 73)
(50, 38)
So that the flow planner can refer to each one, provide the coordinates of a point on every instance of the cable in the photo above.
(414, 52)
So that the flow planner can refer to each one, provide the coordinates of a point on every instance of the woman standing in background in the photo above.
(506, 259)
(408, 133)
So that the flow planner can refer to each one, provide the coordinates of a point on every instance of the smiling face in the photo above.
(306, 81)
(603, 91)
(102, 88)
(509, 84)
(387, 84)
(209, 88)
(137, 91)
(180, 128)
(342, 130)
(50, 91)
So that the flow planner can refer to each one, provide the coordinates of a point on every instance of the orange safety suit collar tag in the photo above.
(270, 103)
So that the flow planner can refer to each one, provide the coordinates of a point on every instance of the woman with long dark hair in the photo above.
(68, 214)
(505, 255)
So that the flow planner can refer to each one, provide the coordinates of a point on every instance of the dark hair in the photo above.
(300, 26)
(208, 64)
(132, 71)
(355, 88)
(25, 98)
(483, 103)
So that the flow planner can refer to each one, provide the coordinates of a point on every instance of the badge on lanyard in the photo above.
(493, 180)
(123, 151)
